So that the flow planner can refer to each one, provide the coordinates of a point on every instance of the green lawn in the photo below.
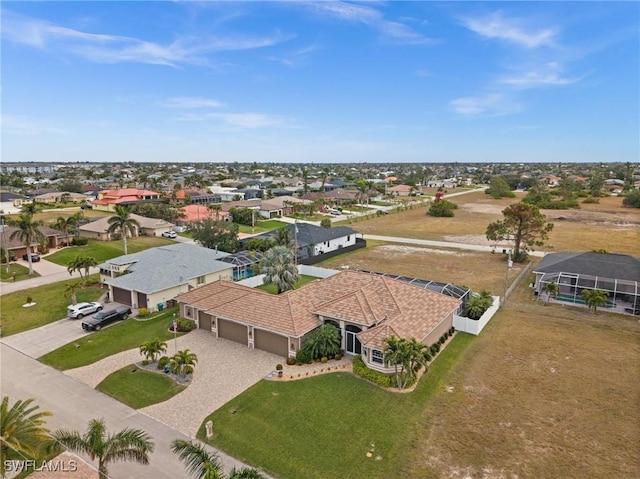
(325, 426)
(114, 339)
(261, 227)
(139, 388)
(105, 250)
(304, 279)
(51, 305)
(22, 272)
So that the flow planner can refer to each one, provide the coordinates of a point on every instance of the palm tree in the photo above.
(183, 362)
(65, 225)
(153, 348)
(279, 268)
(552, 290)
(283, 237)
(475, 307)
(199, 462)
(123, 223)
(22, 431)
(71, 289)
(216, 207)
(324, 341)
(126, 445)
(410, 355)
(77, 218)
(80, 264)
(28, 233)
(246, 473)
(595, 298)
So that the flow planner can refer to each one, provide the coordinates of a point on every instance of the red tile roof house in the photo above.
(400, 190)
(366, 308)
(108, 199)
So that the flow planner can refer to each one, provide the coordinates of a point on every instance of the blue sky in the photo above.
(321, 81)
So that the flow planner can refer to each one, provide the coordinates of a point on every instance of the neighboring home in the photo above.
(340, 196)
(148, 227)
(10, 203)
(280, 206)
(250, 193)
(617, 274)
(365, 308)
(226, 193)
(157, 275)
(61, 197)
(16, 248)
(400, 190)
(199, 212)
(314, 243)
(109, 199)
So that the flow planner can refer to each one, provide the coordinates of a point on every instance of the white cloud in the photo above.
(513, 30)
(186, 102)
(25, 126)
(243, 120)
(493, 104)
(536, 79)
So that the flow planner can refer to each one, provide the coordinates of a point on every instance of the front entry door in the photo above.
(353, 345)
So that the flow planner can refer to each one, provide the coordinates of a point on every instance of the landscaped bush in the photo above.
(304, 357)
(323, 342)
(338, 356)
(452, 330)
(435, 348)
(184, 325)
(442, 209)
(80, 241)
(143, 312)
(324, 359)
(163, 361)
(145, 362)
(591, 199)
(291, 361)
(364, 372)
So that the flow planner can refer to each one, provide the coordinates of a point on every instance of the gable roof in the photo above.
(102, 224)
(157, 269)
(309, 234)
(606, 265)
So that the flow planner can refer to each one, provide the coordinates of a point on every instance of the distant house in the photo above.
(280, 206)
(157, 275)
(400, 190)
(16, 248)
(364, 308)
(61, 196)
(617, 274)
(10, 203)
(199, 212)
(342, 196)
(109, 199)
(148, 227)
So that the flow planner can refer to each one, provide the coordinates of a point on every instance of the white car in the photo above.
(80, 310)
(169, 234)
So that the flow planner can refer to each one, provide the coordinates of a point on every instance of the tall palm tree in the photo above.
(80, 264)
(283, 237)
(123, 223)
(552, 290)
(65, 225)
(183, 362)
(595, 298)
(77, 218)
(22, 431)
(126, 445)
(216, 208)
(28, 233)
(199, 462)
(153, 348)
(279, 268)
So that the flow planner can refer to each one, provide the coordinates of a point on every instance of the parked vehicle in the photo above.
(35, 257)
(80, 310)
(169, 234)
(86, 206)
(102, 318)
(335, 212)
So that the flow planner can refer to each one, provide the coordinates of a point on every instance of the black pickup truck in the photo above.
(102, 318)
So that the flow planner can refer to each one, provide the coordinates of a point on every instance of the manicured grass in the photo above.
(106, 250)
(324, 426)
(22, 272)
(119, 337)
(139, 388)
(261, 227)
(302, 280)
(51, 305)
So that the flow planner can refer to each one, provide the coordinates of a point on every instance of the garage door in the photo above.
(205, 321)
(271, 342)
(233, 331)
(122, 296)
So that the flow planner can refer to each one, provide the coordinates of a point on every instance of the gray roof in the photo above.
(164, 267)
(309, 234)
(604, 265)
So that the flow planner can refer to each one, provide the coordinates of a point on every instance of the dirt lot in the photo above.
(592, 226)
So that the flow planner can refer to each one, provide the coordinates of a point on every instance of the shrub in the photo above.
(80, 241)
(364, 372)
(143, 312)
(324, 359)
(185, 325)
(632, 199)
(279, 367)
(325, 223)
(291, 361)
(303, 356)
(442, 209)
(591, 199)
(338, 356)
(452, 330)
(323, 342)
(163, 361)
(29, 300)
(145, 362)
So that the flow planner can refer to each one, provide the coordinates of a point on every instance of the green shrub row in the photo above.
(184, 325)
(80, 241)
(364, 372)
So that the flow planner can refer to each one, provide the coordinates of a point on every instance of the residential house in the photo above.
(60, 196)
(365, 308)
(97, 229)
(109, 199)
(199, 212)
(16, 248)
(156, 276)
(340, 196)
(400, 190)
(10, 203)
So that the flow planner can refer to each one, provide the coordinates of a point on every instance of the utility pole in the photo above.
(506, 278)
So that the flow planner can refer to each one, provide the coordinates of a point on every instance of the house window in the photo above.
(200, 280)
(376, 356)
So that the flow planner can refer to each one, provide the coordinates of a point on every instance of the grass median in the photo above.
(114, 339)
(326, 426)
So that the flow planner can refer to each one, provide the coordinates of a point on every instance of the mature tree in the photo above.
(82, 264)
(216, 208)
(283, 237)
(595, 298)
(323, 342)
(183, 362)
(70, 185)
(123, 223)
(524, 225)
(71, 289)
(199, 462)
(499, 188)
(279, 268)
(551, 289)
(632, 199)
(215, 234)
(161, 211)
(243, 216)
(65, 225)
(153, 348)
(325, 222)
(28, 233)
(407, 357)
(126, 445)
(22, 431)
(78, 217)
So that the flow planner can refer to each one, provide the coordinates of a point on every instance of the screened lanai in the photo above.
(243, 263)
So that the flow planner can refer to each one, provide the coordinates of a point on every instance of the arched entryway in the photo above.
(352, 343)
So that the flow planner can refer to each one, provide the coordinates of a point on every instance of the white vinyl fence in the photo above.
(474, 326)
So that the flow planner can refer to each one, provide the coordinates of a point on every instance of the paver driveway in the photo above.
(224, 370)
